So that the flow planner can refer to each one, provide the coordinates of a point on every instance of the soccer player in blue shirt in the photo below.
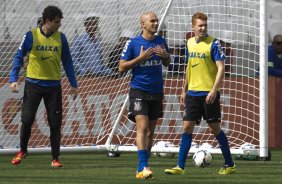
(275, 57)
(86, 50)
(145, 55)
(46, 47)
(200, 95)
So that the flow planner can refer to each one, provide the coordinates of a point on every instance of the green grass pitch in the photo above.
(80, 168)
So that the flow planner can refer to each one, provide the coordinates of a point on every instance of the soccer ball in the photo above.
(202, 158)
(247, 146)
(246, 156)
(162, 145)
(113, 154)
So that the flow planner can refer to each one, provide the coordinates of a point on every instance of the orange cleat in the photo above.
(18, 158)
(56, 163)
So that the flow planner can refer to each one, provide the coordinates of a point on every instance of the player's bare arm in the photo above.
(144, 55)
(184, 91)
(219, 77)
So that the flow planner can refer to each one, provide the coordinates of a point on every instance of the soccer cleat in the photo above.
(175, 171)
(145, 174)
(227, 170)
(56, 163)
(18, 158)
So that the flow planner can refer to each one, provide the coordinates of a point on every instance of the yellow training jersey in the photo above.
(45, 56)
(201, 69)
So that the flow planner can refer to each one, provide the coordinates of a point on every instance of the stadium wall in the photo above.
(274, 112)
(93, 127)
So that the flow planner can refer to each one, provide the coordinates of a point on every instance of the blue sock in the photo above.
(185, 146)
(223, 142)
(143, 159)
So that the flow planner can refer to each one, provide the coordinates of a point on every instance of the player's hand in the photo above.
(211, 97)
(161, 52)
(14, 87)
(146, 54)
(73, 93)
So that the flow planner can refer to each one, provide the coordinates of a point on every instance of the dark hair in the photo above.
(51, 12)
(275, 38)
(90, 19)
(39, 21)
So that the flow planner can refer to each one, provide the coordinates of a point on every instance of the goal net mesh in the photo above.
(89, 120)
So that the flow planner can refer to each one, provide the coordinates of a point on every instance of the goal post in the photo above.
(244, 105)
(263, 111)
(97, 119)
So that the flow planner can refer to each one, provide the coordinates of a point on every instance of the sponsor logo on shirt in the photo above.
(45, 58)
(46, 48)
(195, 65)
(151, 63)
(197, 55)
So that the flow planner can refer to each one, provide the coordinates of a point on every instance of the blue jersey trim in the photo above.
(197, 93)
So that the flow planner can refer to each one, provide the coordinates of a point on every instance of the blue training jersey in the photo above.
(274, 63)
(26, 47)
(147, 75)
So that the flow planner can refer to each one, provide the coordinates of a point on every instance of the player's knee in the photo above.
(143, 131)
(188, 127)
(187, 130)
(55, 121)
(55, 128)
(211, 130)
(214, 128)
(27, 120)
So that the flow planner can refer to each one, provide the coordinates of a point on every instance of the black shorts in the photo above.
(142, 103)
(196, 108)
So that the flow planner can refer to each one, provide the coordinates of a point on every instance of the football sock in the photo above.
(223, 142)
(185, 146)
(143, 159)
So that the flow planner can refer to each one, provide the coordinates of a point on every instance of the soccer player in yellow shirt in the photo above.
(200, 95)
(45, 47)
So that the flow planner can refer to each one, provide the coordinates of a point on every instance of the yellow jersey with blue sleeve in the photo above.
(45, 56)
(201, 68)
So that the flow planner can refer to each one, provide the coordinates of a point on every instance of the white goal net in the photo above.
(97, 118)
